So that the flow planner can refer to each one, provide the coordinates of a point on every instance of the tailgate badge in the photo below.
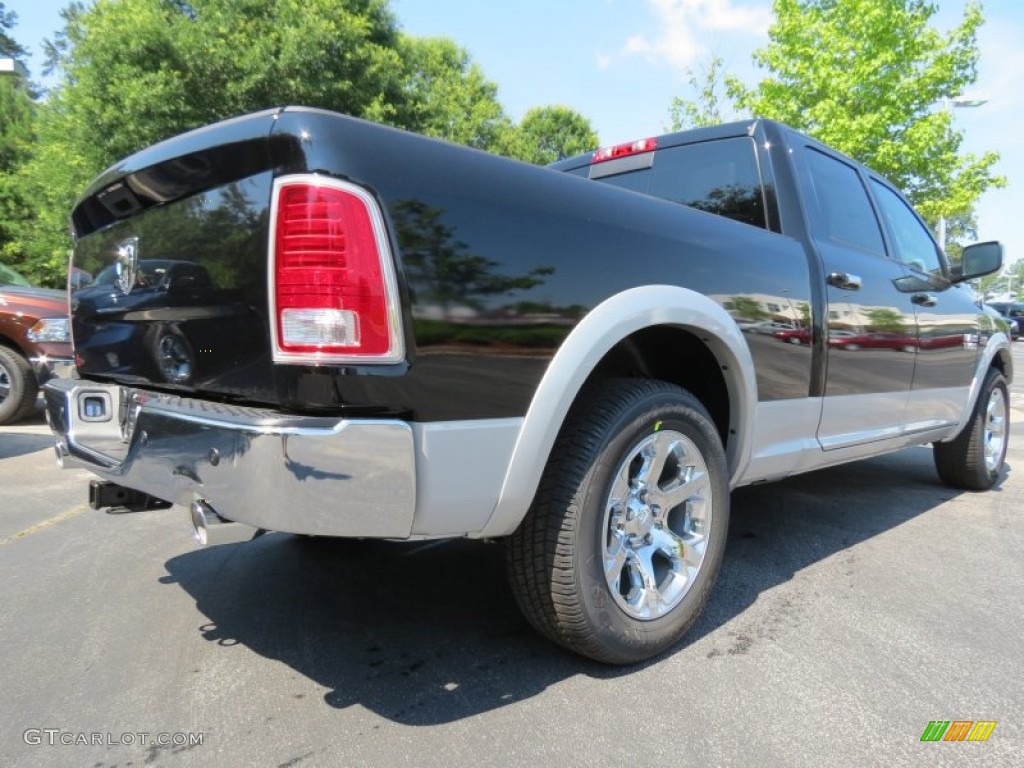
(127, 264)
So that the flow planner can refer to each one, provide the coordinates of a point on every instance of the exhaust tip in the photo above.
(200, 513)
(210, 529)
(60, 451)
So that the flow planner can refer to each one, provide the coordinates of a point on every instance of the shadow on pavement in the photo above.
(426, 633)
(14, 444)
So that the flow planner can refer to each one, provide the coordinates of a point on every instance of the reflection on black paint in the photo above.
(734, 201)
(190, 315)
(457, 294)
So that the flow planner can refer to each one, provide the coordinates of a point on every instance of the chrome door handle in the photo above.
(844, 280)
(924, 300)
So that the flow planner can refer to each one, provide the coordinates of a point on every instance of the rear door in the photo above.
(870, 342)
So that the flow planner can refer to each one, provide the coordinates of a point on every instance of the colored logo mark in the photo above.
(958, 730)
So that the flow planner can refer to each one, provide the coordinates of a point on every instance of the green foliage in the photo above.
(885, 320)
(17, 134)
(9, 47)
(137, 71)
(17, 123)
(548, 134)
(1008, 281)
(446, 95)
(869, 77)
(746, 308)
(961, 229)
(710, 103)
(133, 72)
(440, 269)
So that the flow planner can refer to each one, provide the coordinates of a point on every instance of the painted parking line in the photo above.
(43, 525)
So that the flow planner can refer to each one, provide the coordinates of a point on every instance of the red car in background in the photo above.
(35, 342)
(794, 335)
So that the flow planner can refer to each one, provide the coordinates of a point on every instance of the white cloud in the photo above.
(682, 23)
(638, 44)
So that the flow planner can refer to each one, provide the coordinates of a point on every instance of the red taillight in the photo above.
(333, 297)
(624, 150)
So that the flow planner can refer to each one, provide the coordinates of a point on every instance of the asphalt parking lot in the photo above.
(855, 605)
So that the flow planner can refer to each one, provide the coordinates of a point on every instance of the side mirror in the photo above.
(979, 260)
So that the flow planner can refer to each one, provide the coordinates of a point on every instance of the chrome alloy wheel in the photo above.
(657, 519)
(5, 384)
(995, 430)
(174, 359)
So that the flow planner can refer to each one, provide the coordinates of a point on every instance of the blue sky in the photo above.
(620, 62)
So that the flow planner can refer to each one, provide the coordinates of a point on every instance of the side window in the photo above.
(715, 176)
(842, 201)
(914, 245)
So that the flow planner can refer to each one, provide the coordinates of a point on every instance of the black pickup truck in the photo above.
(307, 323)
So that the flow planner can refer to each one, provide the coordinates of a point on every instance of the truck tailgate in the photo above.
(175, 238)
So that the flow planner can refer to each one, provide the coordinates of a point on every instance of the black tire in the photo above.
(18, 387)
(556, 558)
(962, 463)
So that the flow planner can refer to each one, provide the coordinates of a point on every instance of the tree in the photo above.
(1007, 283)
(870, 77)
(746, 308)
(885, 320)
(9, 47)
(548, 134)
(710, 102)
(961, 229)
(446, 95)
(136, 71)
(441, 270)
(133, 72)
(17, 133)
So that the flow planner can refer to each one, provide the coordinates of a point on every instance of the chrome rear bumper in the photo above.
(300, 474)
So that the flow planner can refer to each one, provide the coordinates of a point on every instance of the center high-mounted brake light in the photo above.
(333, 295)
(624, 150)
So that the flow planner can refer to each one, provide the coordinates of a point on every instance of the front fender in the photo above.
(998, 346)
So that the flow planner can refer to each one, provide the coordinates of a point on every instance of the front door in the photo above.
(948, 318)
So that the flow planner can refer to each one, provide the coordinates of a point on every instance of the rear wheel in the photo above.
(617, 556)
(974, 460)
(18, 388)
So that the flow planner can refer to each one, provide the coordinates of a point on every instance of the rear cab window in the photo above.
(719, 176)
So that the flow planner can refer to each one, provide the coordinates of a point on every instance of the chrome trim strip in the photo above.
(397, 351)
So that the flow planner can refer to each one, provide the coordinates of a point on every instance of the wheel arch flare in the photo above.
(585, 353)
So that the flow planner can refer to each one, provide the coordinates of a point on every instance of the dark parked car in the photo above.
(1012, 313)
(35, 344)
